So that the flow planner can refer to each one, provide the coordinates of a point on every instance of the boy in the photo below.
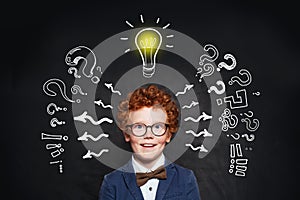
(148, 118)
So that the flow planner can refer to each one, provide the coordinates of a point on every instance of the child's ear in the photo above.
(169, 136)
(126, 136)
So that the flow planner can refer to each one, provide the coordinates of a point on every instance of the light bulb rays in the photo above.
(148, 42)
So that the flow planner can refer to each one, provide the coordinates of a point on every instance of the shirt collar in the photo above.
(141, 169)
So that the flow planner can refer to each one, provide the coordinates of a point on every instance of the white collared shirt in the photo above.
(149, 189)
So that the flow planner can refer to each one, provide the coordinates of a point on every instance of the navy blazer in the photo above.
(121, 184)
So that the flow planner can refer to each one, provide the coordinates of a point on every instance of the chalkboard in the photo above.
(262, 36)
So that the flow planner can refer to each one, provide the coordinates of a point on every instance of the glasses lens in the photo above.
(139, 129)
(159, 128)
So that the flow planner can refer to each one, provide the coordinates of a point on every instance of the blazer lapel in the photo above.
(164, 184)
(130, 180)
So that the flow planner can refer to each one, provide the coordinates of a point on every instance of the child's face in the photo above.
(149, 147)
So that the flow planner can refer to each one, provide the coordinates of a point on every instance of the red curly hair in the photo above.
(147, 97)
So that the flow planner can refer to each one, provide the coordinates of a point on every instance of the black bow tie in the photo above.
(142, 178)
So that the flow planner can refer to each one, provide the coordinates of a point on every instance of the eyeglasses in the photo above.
(140, 129)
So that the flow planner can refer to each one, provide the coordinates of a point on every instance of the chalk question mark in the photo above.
(73, 62)
(73, 70)
(224, 65)
(77, 89)
(248, 114)
(249, 138)
(56, 108)
(216, 90)
(236, 136)
(208, 57)
(249, 126)
(239, 81)
(54, 122)
(209, 70)
(256, 93)
(62, 88)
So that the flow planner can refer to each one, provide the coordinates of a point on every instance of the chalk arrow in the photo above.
(85, 137)
(205, 133)
(100, 103)
(109, 86)
(83, 117)
(187, 87)
(201, 148)
(89, 154)
(203, 116)
(192, 104)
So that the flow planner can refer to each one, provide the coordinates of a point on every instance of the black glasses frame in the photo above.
(149, 126)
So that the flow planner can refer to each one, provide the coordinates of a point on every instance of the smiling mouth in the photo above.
(147, 145)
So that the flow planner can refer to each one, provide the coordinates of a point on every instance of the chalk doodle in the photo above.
(46, 136)
(239, 81)
(77, 89)
(216, 90)
(62, 88)
(87, 136)
(238, 101)
(89, 154)
(249, 123)
(84, 117)
(57, 152)
(205, 133)
(203, 117)
(191, 105)
(187, 87)
(200, 148)
(74, 71)
(209, 58)
(109, 86)
(54, 122)
(228, 120)
(239, 164)
(52, 146)
(208, 69)
(224, 65)
(74, 61)
(100, 103)
(56, 108)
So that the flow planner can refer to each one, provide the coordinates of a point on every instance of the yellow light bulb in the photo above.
(148, 42)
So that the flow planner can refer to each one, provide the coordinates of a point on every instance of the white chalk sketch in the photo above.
(51, 111)
(200, 148)
(84, 117)
(109, 86)
(216, 90)
(205, 133)
(209, 58)
(100, 103)
(239, 81)
(89, 154)
(54, 122)
(224, 65)
(194, 103)
(62, 88)
(203, 117)
(187, 87)
(46, 136)
(87, 136)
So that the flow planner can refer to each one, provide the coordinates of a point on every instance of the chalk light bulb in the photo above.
(148, 42)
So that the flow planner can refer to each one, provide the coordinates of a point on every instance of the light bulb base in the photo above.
(148, 71)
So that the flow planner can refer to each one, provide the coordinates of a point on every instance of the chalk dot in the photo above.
(65, 138)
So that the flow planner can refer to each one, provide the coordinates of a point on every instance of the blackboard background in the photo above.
(262, 35)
